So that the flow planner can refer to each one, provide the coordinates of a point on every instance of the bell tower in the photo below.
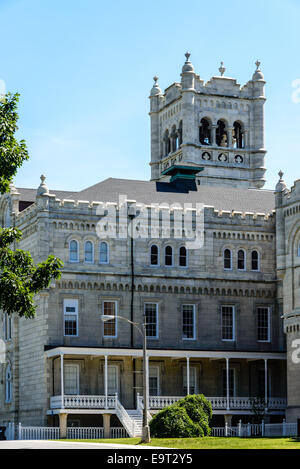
(218, 125)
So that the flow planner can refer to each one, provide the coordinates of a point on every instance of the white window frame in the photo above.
(233, 323)
(93, 252)
(258, 260)
(269, 324)
(77, 260)
(194, 321)
(157, 368)
(158, 256)
(71, 303)
(172, 265)
(8, 384)
(245, 260)
(184, 378)
(107, 246)
(157, 318)
(117, 368)
(116, 319)
(187, 258)
(231, 259)
(76, 366)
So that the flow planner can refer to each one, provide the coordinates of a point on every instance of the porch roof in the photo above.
(167, 353)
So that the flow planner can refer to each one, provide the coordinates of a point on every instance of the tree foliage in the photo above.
(20, 278)
(12, 153)
(187, 418)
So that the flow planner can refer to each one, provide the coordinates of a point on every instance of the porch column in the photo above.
(188, 375)
(62, 381)
(227, 384)
(266, 382)
(106, 425)
(63, 425)
(105, 381)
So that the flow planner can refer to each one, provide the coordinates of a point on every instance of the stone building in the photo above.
(213, 307)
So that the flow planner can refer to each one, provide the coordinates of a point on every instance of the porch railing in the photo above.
(83, 402)
(218, 403)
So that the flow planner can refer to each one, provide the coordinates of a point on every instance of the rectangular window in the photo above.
(151, 312)
(71, 317)
(188, 322)
(231, 382)
(263, 324)
(71, 379)
(110, 326)
(193, 380)
(112, 380)
(228, 323)
(154, 381)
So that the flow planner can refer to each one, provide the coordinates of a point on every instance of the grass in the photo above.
(209, 443)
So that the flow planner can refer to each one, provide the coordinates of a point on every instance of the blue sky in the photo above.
(84, 69)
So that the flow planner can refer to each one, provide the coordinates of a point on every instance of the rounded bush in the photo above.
(187, 418)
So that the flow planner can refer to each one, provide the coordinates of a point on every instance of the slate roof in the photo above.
(220, 197)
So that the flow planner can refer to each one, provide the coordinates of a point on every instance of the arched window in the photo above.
(241, 262)
(8, 384)
(104, 257)
(204, 132)
(73, 251)
(169, 256)
(154, 255)
(180, 134)
(255, 261)
(167, 143)
(238, 136)
(89, 252)
(174, 138)
(221, 134)
(298, 253)
(227, 259)
(183, 256)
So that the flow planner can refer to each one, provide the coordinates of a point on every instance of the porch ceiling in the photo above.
(102, 352)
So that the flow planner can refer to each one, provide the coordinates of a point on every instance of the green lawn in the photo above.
(210, 443)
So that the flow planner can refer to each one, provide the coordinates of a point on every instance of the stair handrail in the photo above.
(125, 418)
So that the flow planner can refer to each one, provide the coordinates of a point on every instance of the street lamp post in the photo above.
(143, 331)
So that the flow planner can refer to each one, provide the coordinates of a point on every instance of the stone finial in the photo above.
(188, 66)
(258, 75)
(43, 189)
(222, 69)
(155, 89)
(281, 185)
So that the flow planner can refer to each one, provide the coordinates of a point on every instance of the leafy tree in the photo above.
(187, 418)
(12, 153)
(20, 278)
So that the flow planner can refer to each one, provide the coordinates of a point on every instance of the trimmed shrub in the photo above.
(187, 418)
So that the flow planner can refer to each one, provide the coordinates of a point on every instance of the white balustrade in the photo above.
(83, 402)
(38, 433)
(218, 403)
